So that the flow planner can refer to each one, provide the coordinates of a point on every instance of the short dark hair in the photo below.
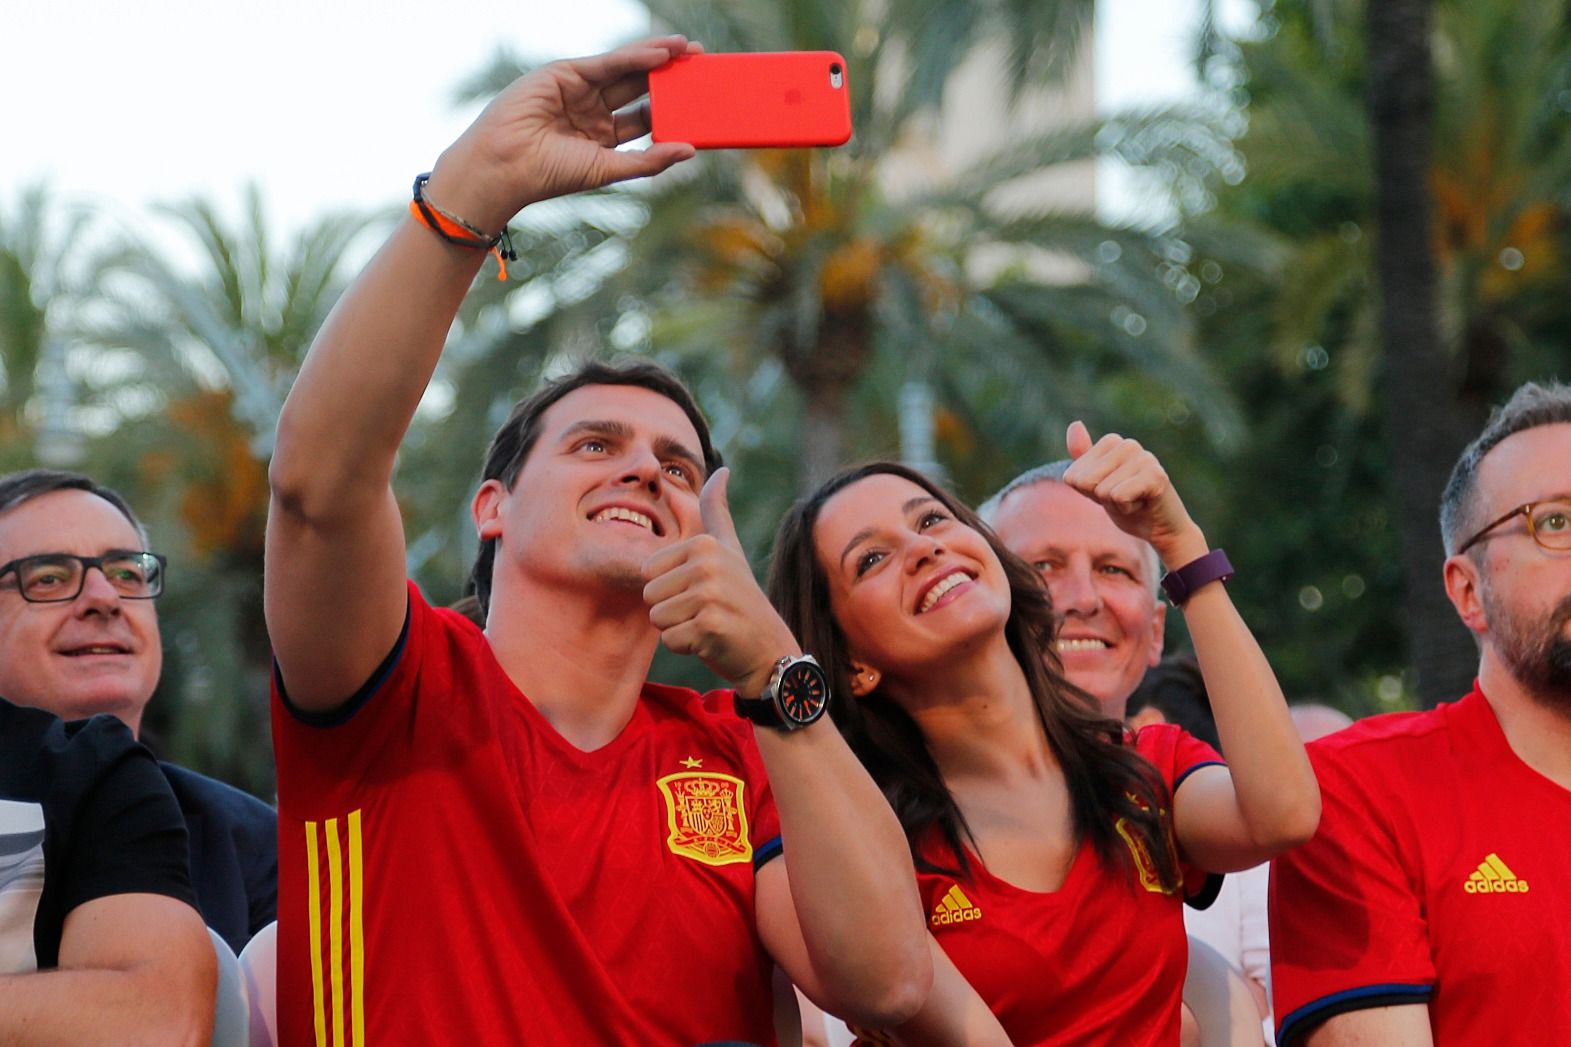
(512, 443)
(1531, 406)
(19, 487)
(1175, 688)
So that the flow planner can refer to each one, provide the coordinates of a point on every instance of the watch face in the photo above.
(804, 692)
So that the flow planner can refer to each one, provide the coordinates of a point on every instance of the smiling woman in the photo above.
(1054, 849)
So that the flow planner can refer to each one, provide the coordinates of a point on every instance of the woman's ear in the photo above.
(863, 680)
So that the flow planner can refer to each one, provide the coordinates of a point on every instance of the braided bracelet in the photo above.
(458, 232)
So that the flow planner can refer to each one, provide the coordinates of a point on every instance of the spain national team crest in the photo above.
(708, 822)
(1149, 878)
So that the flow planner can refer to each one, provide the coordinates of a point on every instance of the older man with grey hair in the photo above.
(1103, 581)
(1431, 904)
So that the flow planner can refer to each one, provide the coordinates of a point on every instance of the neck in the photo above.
(580, 656)
(978, 717)
(1537, 729)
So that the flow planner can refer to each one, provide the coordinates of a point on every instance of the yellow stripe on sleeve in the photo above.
(356, 934)
(314, 913)
(335, 932)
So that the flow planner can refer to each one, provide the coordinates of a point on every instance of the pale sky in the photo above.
(338, 102)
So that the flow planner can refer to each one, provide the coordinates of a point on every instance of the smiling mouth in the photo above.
(632, 516)
(943, 586)
(95, 649)
(1089, 644)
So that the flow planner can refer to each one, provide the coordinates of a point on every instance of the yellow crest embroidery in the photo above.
(1143, 863)
(707, 820)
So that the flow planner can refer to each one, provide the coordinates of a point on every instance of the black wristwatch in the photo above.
(796, 695)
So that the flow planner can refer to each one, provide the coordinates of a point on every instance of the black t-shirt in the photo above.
(84, 813)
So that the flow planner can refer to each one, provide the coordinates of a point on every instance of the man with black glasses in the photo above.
(79, 636)
(1430, 907)
(99, 940)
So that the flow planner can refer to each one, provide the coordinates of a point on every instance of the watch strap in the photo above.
(765, 709)
(1181, 584)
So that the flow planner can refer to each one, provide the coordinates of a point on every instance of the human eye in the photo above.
(1045, 565)
(931, 518)
(680, 471)
(592, 444)
(130, 571)
(45, 576)
(1553, 519)
(867, 561)
(1117, 569)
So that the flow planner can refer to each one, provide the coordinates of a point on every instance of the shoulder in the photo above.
(709, 713)
(708, 718)
(1375, 744)
(213, 797)
(1173, 751)
(40, 752)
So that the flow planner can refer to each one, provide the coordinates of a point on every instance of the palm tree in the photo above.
(1335, 189)
(194, 361)
(803, 279)
(42, 280)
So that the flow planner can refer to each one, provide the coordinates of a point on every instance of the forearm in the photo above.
(1275, 787)
(850, 873)
(953, 1015)
(340, 428)
(85, 1008)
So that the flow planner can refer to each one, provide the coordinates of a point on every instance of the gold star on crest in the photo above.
(691, 763)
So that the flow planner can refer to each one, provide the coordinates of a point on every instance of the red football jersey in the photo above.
(1101, 960)
(1438, 875)
(452, 870)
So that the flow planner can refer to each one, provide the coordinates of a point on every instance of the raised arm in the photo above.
(334, 581)
(135, 969)
(840, 911)
(1266, 800)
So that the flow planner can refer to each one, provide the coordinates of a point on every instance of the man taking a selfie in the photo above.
(507, 835)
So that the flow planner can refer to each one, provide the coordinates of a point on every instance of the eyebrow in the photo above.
(664, 446)
(867, 532)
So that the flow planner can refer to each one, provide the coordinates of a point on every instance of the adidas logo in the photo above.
(1493, 877)
(955, 907)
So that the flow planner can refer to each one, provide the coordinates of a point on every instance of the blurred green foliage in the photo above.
(1236, 340)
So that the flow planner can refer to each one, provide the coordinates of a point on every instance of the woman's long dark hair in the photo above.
(1108, 780)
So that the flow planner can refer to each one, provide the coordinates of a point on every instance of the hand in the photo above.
(555, 131)
(703, 598)
(1127, 481)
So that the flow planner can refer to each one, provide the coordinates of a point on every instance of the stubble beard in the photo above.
(1538, 652)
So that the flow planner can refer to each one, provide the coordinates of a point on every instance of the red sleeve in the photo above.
(1347, 928)
(1176, 754)
(326, 763)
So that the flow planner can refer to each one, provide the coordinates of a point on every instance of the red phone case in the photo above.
(751, 100)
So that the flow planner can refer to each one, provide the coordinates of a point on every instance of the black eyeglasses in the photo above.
(59, 577)
(1548, 522)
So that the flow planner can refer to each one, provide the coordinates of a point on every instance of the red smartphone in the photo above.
(754, 100)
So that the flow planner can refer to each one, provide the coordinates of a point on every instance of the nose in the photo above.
(1073, 591)
(643, 469)
(97, 595)
(921, 551)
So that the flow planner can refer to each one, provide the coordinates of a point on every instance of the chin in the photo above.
(81, 703)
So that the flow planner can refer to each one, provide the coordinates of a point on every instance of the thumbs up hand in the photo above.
(703, 598)
(1128, 481)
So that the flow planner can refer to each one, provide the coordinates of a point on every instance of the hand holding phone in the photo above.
(780, 99)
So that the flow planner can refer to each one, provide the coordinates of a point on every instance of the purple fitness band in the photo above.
(1211, 567)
